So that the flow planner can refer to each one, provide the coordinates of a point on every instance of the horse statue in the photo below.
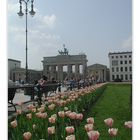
(64, 52)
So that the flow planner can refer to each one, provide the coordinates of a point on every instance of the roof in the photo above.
(14, 60)
(97, 66)
(111, 53)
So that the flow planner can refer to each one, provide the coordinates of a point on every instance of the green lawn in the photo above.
(114, 103)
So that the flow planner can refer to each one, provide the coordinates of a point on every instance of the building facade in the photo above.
(120, 66)
(54, 66)
(18, 74)
(98, 71)
(12, 64)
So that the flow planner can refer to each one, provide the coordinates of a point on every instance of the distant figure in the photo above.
(43, 80)
(53, 80)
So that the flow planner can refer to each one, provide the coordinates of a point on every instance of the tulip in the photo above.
(128, 124)
(70, 137)
(89, 127)
(44, 115)
(93, 135)
(41, 109)
(51, 107)
(70, 129)
(19, 111)
(113, 131)
(51, 130)
(38, 114)
(79, 116)
(67, 113)
(14, 123)
(109, 122)
(30, 107)
(61, 114)
(34, 126)
(65, 108)
(90, 120)
(52, 119)
(27, 136)
(29, 116)
(72, 115)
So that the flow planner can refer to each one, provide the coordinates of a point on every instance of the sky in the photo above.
(93, 27)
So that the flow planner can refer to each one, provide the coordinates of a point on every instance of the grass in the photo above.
(114, 103)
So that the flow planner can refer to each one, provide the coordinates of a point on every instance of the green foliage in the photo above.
(105, 102)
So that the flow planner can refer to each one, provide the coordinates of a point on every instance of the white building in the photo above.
(12, 64)
(120, 66)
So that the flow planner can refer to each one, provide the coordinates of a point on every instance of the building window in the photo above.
(130, 68)
(125, 62)
(120, 56)
(129, 56)
(121, 77)
(130, 76)
(121, 69)
(117, 76)
(126, 78)
(125, 56)
(112, 69)
(116, 56)
(115, 63)
(117, 69)
(121, 62)
(113, 77)
(112, 57)
(125, 68)
(130, 62)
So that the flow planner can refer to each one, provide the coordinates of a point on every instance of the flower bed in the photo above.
(58, 118)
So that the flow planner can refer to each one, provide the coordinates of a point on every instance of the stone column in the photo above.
(46, 71)
(77, 71)
(69, 71)
(84, 71)
(105, 70)
(60, 72)
(53, 71)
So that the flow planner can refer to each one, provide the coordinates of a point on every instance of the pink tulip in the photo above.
(52, 119)
(51, 107)
(128, 124)
(19, 111)
(61, 114)
(79, 116)
(41, 109)
(89, 127)
(67, 113)
(70, 129)
(109, 122)
(29, 116)
(72, 115)
(93, 135)
(90, 120)
(14, 123)
(51, 130)
(113, 131)
(44, 115)
(30, 107)
(27, 136)
(70, 137)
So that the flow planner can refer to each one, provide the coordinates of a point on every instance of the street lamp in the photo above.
(32, 13)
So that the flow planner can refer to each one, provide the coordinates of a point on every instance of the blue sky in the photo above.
(93, 27)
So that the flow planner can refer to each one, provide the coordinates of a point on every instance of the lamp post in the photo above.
(32, 13)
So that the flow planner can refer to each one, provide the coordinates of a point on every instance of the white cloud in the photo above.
(127, 44)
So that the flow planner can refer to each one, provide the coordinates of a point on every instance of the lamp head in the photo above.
(32, 12)
(20, 13)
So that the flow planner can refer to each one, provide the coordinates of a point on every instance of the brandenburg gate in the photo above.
(76, 66)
